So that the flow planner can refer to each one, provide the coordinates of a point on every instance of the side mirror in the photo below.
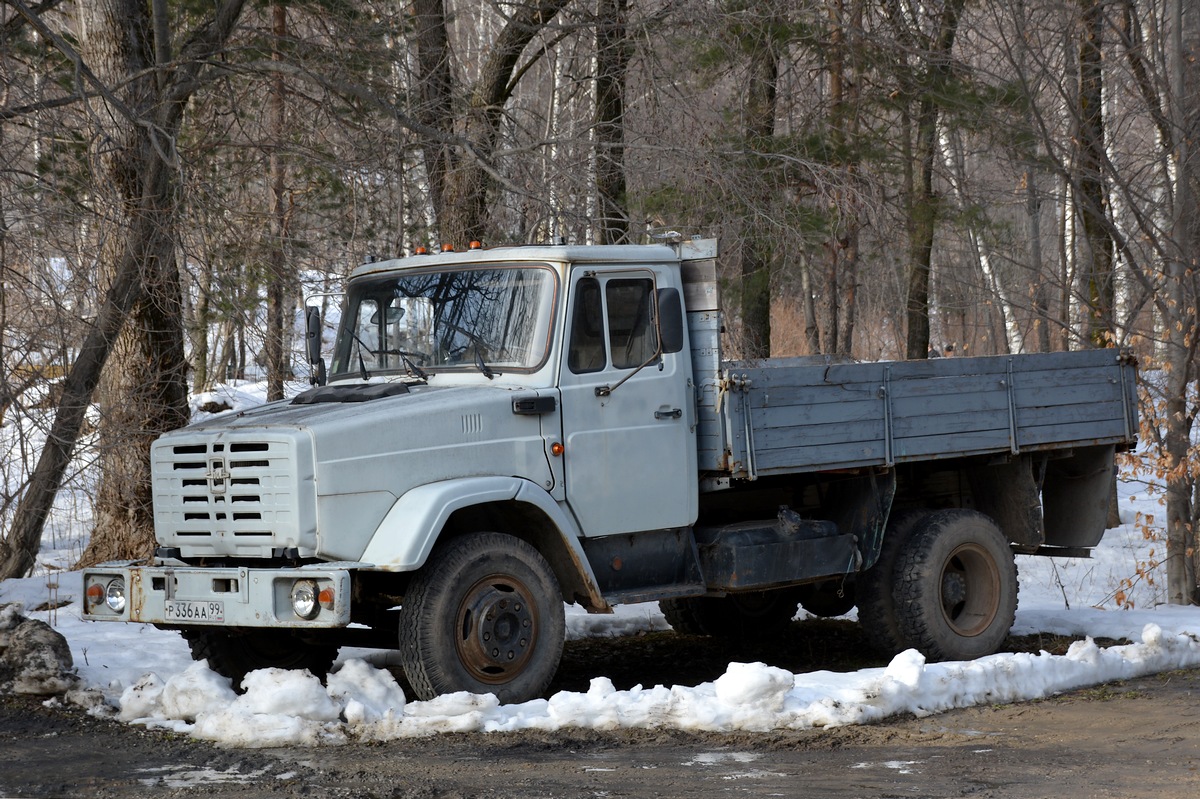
(670, 320)
(312, 342)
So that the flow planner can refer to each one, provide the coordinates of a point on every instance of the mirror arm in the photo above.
(604, 391)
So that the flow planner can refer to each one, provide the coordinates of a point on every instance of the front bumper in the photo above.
(183, 596)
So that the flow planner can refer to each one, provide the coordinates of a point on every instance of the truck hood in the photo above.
(352, 460)
(461, 420)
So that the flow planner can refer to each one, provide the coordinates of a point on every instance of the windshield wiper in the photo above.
(481, 365)
(480, 344)
(362, 345)
(412, 368)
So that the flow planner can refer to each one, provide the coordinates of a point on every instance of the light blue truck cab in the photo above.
(506, 430)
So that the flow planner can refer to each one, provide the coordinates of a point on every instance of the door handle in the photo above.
(673, 413)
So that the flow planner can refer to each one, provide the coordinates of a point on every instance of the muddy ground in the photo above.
(1135, 739)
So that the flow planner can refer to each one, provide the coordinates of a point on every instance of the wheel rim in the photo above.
(970, 590)
(497, 625)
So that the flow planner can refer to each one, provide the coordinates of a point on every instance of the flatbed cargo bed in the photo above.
(787, 416)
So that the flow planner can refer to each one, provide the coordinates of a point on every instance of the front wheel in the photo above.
(236, 654)
(956, 594)
(484, 615)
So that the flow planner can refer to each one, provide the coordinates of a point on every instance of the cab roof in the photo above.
(538, 253)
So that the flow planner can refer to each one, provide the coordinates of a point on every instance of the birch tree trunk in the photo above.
(956, 164)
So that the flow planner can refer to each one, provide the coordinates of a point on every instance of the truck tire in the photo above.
(874, 588)
(732, 616)
(234, 655)
(956, 594)
(484, 615)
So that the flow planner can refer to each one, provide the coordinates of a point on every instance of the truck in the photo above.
(504, 432)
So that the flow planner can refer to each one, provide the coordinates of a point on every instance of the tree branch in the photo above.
(83, 72)
(17, 21)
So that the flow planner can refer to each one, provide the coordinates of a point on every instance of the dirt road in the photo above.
(1135, 739)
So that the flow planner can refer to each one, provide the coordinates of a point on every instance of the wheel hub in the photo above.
(497, 629)
(954, 589)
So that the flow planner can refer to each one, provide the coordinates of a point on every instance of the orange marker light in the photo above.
(419, 251)
(326, 598)
(447, 248)
(557, 448)
(475, 245)
(95, 594)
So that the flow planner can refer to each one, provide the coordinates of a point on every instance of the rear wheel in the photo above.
(234, 655)
(484, 615)
(956, 594)
(732, 616)
(874, 588)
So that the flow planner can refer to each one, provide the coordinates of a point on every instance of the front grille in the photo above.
(226, 497)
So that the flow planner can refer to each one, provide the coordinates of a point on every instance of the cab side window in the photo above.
(627, 306)
(586, 352)
(632, 334)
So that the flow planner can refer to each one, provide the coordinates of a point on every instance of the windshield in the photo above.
(493, 320)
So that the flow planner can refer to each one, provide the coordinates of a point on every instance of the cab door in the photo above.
(629, 441)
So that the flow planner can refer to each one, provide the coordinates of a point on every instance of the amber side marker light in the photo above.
(95, 594)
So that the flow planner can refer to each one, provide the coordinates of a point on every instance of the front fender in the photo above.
(406, 535)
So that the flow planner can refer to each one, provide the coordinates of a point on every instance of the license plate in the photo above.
(181, 610)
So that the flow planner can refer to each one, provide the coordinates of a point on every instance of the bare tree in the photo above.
(467, 115)
(759, 42)
(612, 64)
(141, 118)
(929, 43)
(842, 247)
(277, 272)
(1183, 260)
(1089, 180)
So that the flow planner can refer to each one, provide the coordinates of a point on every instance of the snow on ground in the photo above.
(146, 676)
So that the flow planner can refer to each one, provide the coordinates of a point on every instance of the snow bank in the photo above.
(363, 702)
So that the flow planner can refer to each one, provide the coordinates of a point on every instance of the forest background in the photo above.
(888, 179)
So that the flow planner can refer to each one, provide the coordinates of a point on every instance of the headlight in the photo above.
(305, 602)
(114, 596)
